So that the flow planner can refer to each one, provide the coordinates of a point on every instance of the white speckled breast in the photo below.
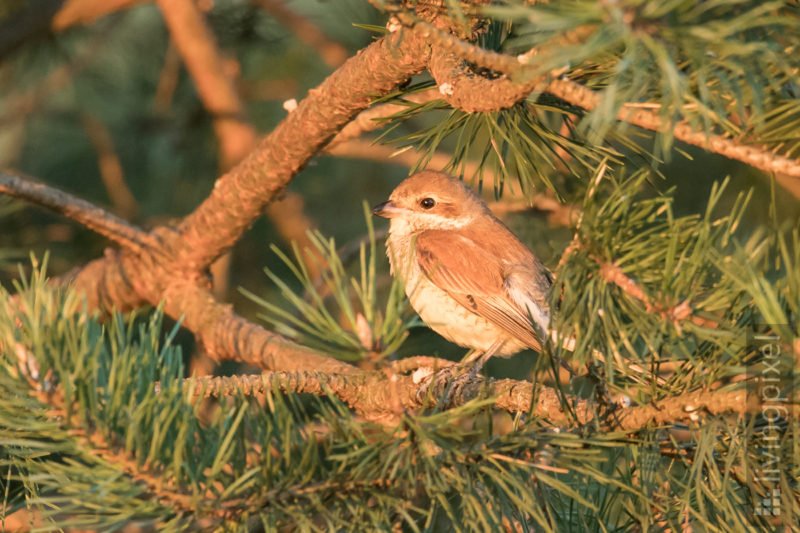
(437, 309)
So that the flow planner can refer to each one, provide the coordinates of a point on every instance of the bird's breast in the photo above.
(438, 309)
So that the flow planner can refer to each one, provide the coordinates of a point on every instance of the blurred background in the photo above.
(107, 111)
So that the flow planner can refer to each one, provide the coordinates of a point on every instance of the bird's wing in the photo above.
(476, 279)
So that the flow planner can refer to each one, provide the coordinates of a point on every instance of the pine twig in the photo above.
(611, 273)
(649, 119)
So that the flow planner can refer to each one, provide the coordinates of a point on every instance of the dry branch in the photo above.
(197, 46)
(648, 119)
(99, 220)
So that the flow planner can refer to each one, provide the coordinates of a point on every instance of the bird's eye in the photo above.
(427, 203)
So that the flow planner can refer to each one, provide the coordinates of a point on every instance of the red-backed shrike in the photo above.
(468, 277)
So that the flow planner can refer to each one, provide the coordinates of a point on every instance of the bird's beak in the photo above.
(387, 209)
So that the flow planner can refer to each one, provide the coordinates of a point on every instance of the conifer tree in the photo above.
(676, 302)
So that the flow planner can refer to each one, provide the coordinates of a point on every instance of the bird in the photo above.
(467, 276)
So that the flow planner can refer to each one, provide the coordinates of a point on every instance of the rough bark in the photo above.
(240, 195)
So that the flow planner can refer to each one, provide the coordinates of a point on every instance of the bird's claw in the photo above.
(449, 384)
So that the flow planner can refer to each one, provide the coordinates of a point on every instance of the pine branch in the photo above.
(432, 469)
(223, 333)
(589, 100)
(378, 397)
(754, 156)
(472, 92)
(156, 483)
(227, 336)
(241, 194)
(236, 136)
(120, 281)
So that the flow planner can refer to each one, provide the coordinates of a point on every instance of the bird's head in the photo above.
(431, 201)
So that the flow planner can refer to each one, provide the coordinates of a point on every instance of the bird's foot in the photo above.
(450, 384)
(606, 403)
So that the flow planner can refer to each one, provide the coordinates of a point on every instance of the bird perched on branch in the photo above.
(468, 277)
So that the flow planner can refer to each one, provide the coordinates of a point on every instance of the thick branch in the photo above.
(227, 336)
(240, 195)
(237, 137)
(173, 275)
